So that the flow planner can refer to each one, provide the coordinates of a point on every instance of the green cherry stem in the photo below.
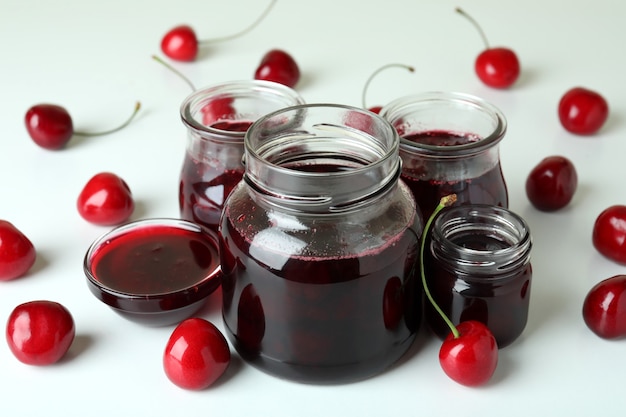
(175, 71)
(443, 203)
(120, 127)
(378, 71)
(242, 32)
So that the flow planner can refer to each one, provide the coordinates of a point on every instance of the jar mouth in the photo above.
(480, 238)
(478, 122)
(324, 156)
(212, 111)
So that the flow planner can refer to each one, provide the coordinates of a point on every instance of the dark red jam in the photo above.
(499, 301)
(426, 184)
(319, 319)
(205, 184)
(154, 260)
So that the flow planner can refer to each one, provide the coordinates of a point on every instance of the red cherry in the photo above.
(17, 253)
(196, 354)
(609, 233)
(472, 357)
(40, 332)
(604, 308)
(552, 183)
(50, 126)
(105, 200)
(469, 354)
(583, 111)
(181, 43)
(278, 66)
(377, 109)
(496, 67)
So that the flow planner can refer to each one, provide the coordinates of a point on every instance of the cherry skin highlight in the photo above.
(278, 66)
(552, 183)
(105, 200)
(583, 111)
(196, 354)
(17, 252)
(609, 233)
(604, 308)
(496, 67)
(40, 332)
(471, 358)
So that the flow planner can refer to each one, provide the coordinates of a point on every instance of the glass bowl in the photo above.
(154, 271)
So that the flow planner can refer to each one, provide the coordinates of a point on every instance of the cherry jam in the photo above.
(449, 145)
(428, 187)
(320, 319)
(318, 247)
(478, 268)
(205, 184)
(157, 271)
(217, 118)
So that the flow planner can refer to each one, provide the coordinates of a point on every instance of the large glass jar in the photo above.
(318, 246)
(217, 118)
(449, 145)
(477, 266)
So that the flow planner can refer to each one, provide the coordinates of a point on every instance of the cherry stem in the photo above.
(375, 73)
(443, 203)
(175, 71)
(243, 32)
(120, 127)
(475, 23)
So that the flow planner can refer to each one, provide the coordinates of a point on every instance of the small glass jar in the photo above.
(318, 246)
(217, 118)
(449, 145)
(477, 267)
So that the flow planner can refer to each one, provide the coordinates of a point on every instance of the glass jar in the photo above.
(318, 246)
(477, 267)
(449, 145)
(217, 118)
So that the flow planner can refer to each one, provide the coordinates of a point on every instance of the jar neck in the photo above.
(481, 241)
(223, 112)
(321, 158)
(445, 125)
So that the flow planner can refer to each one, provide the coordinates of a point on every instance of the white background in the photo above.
(94, 59)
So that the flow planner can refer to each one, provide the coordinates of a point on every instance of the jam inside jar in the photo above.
(450, 145)
(318, 246)
(477, 267)
(217, 118)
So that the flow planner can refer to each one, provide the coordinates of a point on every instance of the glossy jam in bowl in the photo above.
(155, 271)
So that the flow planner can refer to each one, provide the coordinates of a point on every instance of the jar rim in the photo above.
(236, 88)
(401, 106)
(487, 220)
(378, 159)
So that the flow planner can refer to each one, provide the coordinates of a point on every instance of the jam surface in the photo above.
(205, 184)
(154, 260)
(488, 188)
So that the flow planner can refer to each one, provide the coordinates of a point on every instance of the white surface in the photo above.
(94, 59)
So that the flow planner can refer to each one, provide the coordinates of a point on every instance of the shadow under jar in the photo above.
(217, 118)
(318, 246)
(477, 267)
(449, 145)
